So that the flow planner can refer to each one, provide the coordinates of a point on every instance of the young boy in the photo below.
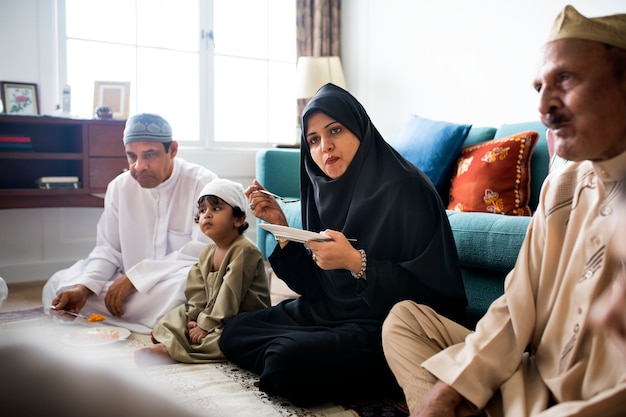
(228, 279)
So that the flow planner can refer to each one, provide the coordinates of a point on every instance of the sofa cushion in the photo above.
(482, 287)
(431, 146)
(477, 135)
(494, 176)
(541, 158)
(488, 241)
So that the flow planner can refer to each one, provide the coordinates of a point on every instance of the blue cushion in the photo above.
(432, 146)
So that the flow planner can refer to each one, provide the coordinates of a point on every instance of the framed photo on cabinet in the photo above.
(19, 98)
(113, 94)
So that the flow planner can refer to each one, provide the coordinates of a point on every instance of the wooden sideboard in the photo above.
(90, 149)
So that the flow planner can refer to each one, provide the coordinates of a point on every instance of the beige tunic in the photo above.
(562, 267)
(214, 297)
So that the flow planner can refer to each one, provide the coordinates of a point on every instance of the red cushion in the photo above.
(494, 176)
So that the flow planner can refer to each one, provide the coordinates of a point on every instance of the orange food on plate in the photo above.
(96, 317)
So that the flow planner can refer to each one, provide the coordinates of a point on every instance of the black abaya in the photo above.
(333, 331)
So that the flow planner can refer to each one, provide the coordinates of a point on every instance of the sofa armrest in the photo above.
(278, 170)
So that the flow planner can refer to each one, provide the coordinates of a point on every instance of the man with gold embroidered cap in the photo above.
(534, 353)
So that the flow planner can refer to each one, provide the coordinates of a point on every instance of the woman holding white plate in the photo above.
(326, 344)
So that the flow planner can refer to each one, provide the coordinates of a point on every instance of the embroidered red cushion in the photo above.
(494, 176)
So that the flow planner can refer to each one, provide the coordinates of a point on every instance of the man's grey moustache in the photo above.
(553, 120)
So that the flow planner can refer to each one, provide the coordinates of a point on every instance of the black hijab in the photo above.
(388, 205)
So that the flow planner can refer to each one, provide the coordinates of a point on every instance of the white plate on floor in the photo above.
(92, 336)
(290, 233)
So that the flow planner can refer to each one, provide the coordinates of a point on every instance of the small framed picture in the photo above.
(19, 98)
(112, 94)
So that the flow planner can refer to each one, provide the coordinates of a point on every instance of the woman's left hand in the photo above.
(335, 254)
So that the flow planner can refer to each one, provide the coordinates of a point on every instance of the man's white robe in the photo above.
(149, 235)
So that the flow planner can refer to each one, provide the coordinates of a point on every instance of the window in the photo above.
(222, 72)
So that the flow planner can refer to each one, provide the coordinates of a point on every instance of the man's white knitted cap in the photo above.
(147, 127)
(605, 29)
(231, 192)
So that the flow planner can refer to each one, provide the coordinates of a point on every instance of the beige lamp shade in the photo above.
(312, 72)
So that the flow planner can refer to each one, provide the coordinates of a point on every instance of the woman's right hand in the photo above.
(263, 206)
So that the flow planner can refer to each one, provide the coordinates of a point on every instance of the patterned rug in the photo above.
(379, 408)
(222, 389)
(18, 315)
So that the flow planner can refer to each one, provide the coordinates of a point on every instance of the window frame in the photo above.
(206, 59)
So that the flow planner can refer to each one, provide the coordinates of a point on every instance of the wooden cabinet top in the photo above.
(56, 121)
(90, 149)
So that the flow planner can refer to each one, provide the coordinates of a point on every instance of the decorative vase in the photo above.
(104, 112)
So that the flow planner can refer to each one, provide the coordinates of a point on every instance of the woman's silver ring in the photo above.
(314, 258)
(252, 206)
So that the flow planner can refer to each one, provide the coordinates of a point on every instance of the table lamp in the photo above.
(312, 72)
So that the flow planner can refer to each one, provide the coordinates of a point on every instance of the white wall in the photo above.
(455, 60)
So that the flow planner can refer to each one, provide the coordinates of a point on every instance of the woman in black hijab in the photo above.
(326, 344)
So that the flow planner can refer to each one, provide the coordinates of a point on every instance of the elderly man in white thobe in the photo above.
(146, 238)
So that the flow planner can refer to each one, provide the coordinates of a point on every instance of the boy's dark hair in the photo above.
(214, 200)
(167, 146)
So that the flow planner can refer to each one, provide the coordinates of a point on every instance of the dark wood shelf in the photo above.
(39, 155)
(90, 149)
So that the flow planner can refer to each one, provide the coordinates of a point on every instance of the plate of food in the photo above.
(91, 336)
(293, 234)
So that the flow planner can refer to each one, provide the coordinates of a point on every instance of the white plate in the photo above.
(295, 235)
(91, 336)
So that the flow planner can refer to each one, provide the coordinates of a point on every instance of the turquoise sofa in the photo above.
(488, 244)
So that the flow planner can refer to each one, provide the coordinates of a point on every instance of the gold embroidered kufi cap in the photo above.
(605, 29)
